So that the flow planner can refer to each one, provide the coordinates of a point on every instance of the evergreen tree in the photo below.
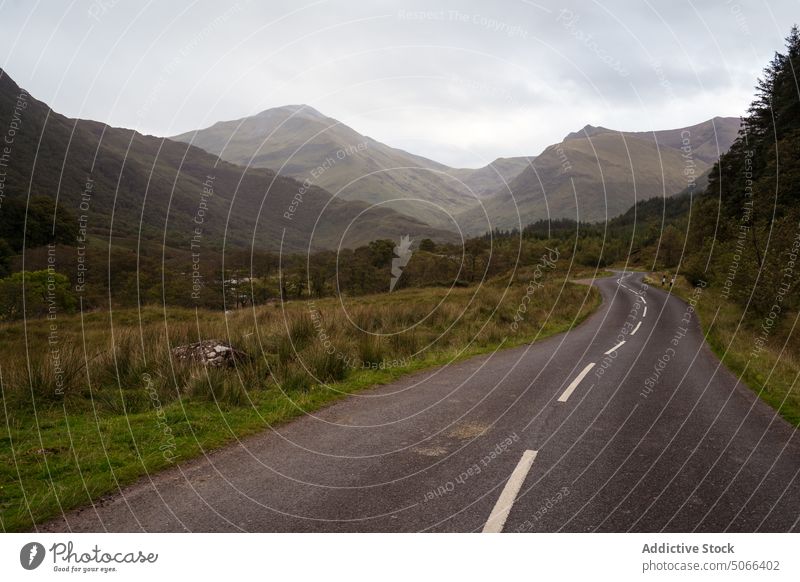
(747, 219)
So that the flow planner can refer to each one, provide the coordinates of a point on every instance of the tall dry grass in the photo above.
(125, 407)
(117, 361)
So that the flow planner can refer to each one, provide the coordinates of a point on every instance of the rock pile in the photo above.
(211, 352)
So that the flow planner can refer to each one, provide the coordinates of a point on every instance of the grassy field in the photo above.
(119, 406)
(771, 372)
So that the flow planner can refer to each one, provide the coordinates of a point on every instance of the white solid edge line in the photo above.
(644, 313)
(615, 348)
(635, 329)
(497, 519)
(571, 388)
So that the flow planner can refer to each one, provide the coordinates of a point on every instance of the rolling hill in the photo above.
(124, 184)
(598, 173)
(301, 142)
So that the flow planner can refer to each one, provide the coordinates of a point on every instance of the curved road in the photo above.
(579, 432)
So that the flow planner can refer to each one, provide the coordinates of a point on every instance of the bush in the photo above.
(45, 293)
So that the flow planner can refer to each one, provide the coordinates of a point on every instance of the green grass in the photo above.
(134, 410)
(580, 274)
(773, 372)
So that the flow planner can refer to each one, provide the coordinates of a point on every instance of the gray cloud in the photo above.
(462, 82)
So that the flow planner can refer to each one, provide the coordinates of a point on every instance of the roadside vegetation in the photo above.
(772, 370)
(116, 404)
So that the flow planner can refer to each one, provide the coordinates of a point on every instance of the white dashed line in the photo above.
(635, 329)
(644, 313)
(571, 388)
(643, 299)
(615, 348)
(497, 519)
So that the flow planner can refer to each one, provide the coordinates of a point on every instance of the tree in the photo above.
(671, 246)
(755, 190)
(5, 257)
(427, 245)
(381, 252)
(45, 223)
(34, 294)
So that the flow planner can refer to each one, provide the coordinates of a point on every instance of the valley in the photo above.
(303, 328)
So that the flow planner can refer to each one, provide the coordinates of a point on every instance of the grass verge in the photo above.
(117, 405)
(771, 372)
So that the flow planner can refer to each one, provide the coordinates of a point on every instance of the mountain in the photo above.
(709, 139)
(301, 142)
(596, 173)
(122, 183)
(487, 180)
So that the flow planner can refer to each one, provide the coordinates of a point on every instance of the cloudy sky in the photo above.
(462, 82)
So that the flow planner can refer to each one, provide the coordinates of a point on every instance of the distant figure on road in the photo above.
(663, 280)
(672, 282)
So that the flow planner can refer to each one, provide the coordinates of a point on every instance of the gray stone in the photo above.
(212, 352)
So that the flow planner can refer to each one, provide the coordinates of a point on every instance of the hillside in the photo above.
(489, 179)
(298, 140)
(139, 186)
(708, 139)
(609, 170)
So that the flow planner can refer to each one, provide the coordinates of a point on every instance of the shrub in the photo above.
(45, 293)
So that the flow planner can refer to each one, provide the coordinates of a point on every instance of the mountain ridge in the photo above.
(620, 167)
(596, 173)
(295, 140)
(150, 187)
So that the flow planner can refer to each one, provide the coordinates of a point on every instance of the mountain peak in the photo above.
(298, 110)
(587, 131)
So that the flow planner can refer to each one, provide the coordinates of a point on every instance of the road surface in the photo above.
(626, 423)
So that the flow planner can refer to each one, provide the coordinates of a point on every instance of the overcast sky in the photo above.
(460, 82)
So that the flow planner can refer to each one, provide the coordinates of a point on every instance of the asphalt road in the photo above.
(656, 436)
